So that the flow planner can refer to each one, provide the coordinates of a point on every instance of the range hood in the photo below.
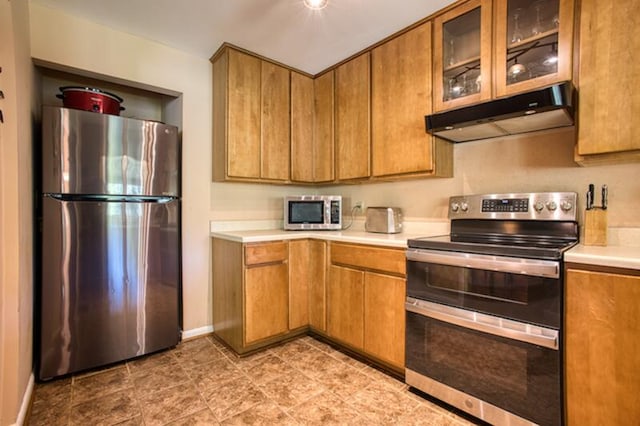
(542, 109)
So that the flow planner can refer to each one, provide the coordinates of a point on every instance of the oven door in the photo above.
(527, 290)
(498, 370)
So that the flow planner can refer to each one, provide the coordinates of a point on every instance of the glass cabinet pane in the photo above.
(461, 56)
(532, 39)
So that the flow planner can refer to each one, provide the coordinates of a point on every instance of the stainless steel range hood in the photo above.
(542, 109)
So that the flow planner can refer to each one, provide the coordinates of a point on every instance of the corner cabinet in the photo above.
(534, 44)
(251, 124)
(608, 73)
(602, 349)
(400, 99)
(312, 156)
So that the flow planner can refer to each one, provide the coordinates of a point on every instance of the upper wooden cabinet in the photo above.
(312, 144)
(251, 127)
(301, 128)
(352, 116)
(462, 55)
(323, 125)
(607, 79)
(401, 97)
(521, 46)
(534, 44)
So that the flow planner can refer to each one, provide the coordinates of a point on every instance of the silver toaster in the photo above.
(386, 220)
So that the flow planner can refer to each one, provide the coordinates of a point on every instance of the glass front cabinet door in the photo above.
(462, 55)
(534, 42)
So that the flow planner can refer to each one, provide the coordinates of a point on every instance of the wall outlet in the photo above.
(359, 205)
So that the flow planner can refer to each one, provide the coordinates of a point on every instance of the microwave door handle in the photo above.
(509, 329)
(512, 265)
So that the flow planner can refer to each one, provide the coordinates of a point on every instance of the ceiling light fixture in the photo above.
(316, 4)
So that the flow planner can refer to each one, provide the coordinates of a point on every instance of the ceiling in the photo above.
(282, 30)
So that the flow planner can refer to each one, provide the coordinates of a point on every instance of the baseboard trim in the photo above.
(26, 402)
(197, 332)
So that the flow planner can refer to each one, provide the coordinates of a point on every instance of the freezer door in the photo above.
(89, 153)
(110, 282)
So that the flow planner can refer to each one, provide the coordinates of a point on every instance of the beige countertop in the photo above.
(238, 232)
(622, 252)
(614, 256)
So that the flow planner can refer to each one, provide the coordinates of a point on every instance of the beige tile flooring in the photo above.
(200, 382)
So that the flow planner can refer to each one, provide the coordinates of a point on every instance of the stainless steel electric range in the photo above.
(485, 307)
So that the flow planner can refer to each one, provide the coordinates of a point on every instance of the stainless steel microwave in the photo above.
(313, 212)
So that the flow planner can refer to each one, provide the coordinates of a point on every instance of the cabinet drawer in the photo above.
(367, 257)
(255, 254)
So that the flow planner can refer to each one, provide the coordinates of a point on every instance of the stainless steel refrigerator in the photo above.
(110, 240)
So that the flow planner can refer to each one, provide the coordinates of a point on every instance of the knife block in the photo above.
(595, 227)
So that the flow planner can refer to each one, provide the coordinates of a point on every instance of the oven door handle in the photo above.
(513, 265)
(496, 326)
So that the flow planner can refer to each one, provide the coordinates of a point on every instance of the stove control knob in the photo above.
(552, 206)
(464, 206)
(455, 207)
(538, 206)
(566, 205)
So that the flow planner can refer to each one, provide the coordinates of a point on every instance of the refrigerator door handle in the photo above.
(111, 198)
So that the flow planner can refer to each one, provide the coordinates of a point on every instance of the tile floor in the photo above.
(200, 382)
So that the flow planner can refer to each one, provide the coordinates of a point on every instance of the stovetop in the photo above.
(529, 225)
(550, 250)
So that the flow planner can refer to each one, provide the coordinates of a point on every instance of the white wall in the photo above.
(16, 213)
(526, 163)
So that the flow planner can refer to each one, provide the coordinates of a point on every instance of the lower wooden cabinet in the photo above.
(351, 293)
(250, 293)
(384, 317)
(266, 293)
(602, 348)
(345, 304)
(317, 275)
(365, 302)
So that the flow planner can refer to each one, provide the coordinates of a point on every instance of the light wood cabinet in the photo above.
(521, 46)
(266, 301)
(275, 122)
(317, 275)
(300, 267)
(353, 118)
(462, 55)
(384, 317)
(312, 128)
(401, 97)
(607, 78)
(602, 348)
(353, 294)
(251, 124)
(365, 302)
(323, 128)
(534, 44)
(345, 306)
(250, 293)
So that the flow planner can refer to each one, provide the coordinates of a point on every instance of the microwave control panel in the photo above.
(335, 211)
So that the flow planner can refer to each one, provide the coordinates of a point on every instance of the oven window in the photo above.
(526, 298)
(519, 377)
(306, 212)
(481, 283)
(451, 351)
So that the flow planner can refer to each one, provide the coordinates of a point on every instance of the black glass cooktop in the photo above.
(536, 240)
